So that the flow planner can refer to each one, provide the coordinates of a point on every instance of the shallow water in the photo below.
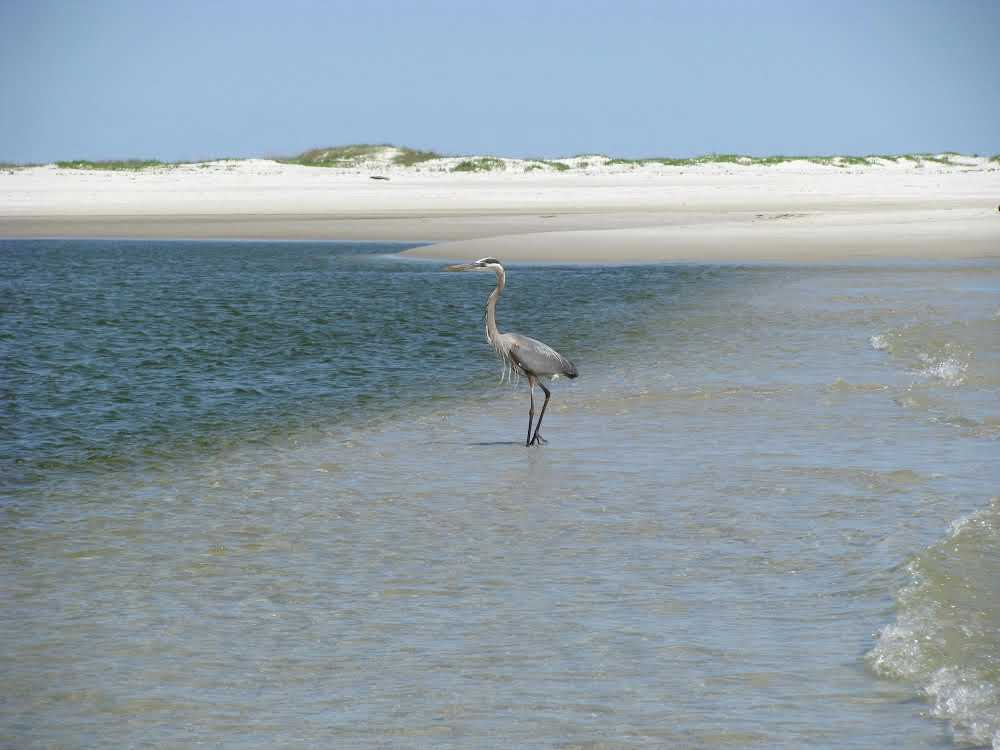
(266, 494)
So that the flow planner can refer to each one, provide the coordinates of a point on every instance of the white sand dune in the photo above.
(594, 211)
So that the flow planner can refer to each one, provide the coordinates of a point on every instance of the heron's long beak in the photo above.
(462, 267)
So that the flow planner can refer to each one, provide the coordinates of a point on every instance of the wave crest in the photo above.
(946, 638)
(952, 353)
(950, 370)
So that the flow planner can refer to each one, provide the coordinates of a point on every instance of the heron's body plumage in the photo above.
(520, 355)
(533, 357)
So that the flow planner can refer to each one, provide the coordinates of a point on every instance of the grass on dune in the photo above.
(11, 166)
(354, 154)
(407, 157)
(115, 165)
(769, 161)
(692, 161)
(842, 161)
(746, 160)
(482, 164)
(937, 158)
(535, 165)
(334, 156)
(556, 165)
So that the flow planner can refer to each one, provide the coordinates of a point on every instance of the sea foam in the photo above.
(950, 370)
(945, 638)
(879, 342)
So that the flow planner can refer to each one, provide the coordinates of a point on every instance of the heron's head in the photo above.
(483, 264)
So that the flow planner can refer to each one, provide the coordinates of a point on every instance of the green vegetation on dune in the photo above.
(334, 156)
(354, 155)
(556, 165)
(735, 159)
(943, 157)
(946, 158)
(359, 155)
(117, 165)
(407, 157)
(535, 165)
(722, 159)
(937, 158)
(768, 161)
(10, 167)
(693, 161)
(669, 161)
(845, 160)
(764, 161)
(482, 164)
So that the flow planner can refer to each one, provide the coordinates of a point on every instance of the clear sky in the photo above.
(185, 79)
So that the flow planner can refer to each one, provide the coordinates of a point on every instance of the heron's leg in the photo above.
(538, 439)
(531, 411)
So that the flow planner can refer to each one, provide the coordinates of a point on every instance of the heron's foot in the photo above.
(538, 440)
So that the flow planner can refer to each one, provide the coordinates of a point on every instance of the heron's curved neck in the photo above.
(492, 332)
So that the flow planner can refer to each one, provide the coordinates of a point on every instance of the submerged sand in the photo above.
(794, 211)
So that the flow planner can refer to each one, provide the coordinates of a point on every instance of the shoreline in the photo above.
(801, 238)
(801, 213)
(767, 238)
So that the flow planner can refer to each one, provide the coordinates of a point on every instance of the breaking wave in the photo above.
(952, 354)
(879, 342)
(950, 371)
(946, 637)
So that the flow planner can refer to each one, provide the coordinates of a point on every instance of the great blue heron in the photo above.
(520, 354)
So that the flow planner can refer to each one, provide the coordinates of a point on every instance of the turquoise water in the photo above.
(273, 494)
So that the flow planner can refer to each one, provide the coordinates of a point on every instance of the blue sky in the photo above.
(185, 80)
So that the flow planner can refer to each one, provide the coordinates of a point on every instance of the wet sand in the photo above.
(778, 237)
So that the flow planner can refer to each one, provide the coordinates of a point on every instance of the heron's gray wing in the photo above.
(536, 358)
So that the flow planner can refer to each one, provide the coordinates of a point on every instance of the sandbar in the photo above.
(791, 212)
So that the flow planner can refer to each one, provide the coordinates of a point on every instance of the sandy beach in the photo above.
(596, 211)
